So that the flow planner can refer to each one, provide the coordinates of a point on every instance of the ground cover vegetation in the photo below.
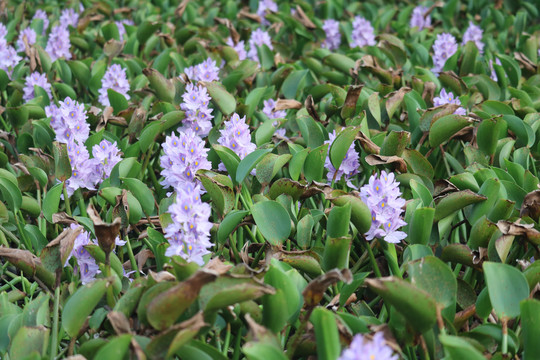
(269, 180)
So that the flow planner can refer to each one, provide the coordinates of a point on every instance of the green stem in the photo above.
(258, 257)
(227, 340)
(26, 241)
(82, 207)
(504, 336)
(10, 235)
(391, 257)
(132, 257)
(374, 265)
(66, 200)
(232, 242)
(54, 339)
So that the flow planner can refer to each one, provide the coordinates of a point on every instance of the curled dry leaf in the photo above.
(62, 246)
(119, 322)
(113, 48)
(310, 107)
(525, 62)
(303, 18)
(234, 34)
(284, 104)
(398, 162)
(106, 233)
(218, 266)
(531, 205)
(181, 8)
(314, 291)
(161, 276)
(245, 13)
(368, 145)
(63, 218)
(429, 91)
(516, 229)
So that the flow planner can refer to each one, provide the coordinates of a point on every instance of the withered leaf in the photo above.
(106, 233)
(56, 253)
(284, 104)
(516, 229)
(314, 291)
(63, 218)
(310, 107)
(234, 34)
(531, 205)
(398, 162)
(119, 322)
(366, 143)
(303, 18)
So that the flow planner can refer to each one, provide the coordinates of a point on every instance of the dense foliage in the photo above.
(269, 180)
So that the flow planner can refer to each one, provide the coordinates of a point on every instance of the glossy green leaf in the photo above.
(225, 102)
(326, 334)
(248, 163)
(507, 287)
(229, 223)
(142, 193)
(272, 220)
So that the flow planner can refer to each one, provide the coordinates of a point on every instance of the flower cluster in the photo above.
(28, 35)
(269, 111)
(363, 349)
(362, 33)
(69, 17)
(183, 156)
(240, 48)
(58, 44)
(41, 14)
(448, 98)
(8, 55)
(189, 233)
(419, 18)
(474, 34)
(198, 113)
(69, 123)
(115, 78)
(36, 79)
(383, 198)
(349, 166)
(121, 28)
(333, 36)
(258, 38)
(444, 47)
(205, 71)
(265, 5)
(236, 136)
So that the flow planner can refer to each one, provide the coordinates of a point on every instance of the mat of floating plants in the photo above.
(269, 180)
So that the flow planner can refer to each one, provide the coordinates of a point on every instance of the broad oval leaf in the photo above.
(272, 220)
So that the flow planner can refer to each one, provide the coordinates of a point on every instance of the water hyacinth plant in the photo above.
(269, 180)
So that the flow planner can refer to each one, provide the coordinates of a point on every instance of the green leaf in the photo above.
(117, 100)
(296, 165)
(229, 159)
(229, 223)
(11, 194)
(292, 83)
(28, 341)
(80, 305)
(454, 202)
(219, 187)
(341, 145)
(416, 305)
(340, 62)
(443, 129)
(117, 348)
(221, 98)
(507, 287)
(395, 142)
(248, 163)
(360, 213)
(326, 334)
(142, 193)
(420, 225)
(272, 220)
(261, 351)
(52, 201)
(487, 134)
(530, 324)
(459, 348)
(150, 131)
(314, 164)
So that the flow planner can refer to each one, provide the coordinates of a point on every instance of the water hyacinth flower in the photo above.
(115, 78)
(419, 18)
(333, 36)
(258, 38)
(383, 198)
(362, 33)
(444, 47)
(236, 136)
(28, 35)
(8, 57)
(240, 48)
(448, 98)
(85, 172)
(474, 34)
(35, 79)
(363, 349)
(264, 6)
(183, 156)
(107, 155)
(58, 44)
(349, 166)
(198, 114)
(3, 32)
(69, 17)
(41, 14)
(269, 111)
(121, 29)
(189, 233)
(205, 71)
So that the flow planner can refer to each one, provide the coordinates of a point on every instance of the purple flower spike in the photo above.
(115, 78)
(269, 111)
(264, 6)
(474, 34)
(58, 44)
(363, 349)
(240, 48)
(3, 32)
(449, 98)
(333, 36)
(349, 166)
(363, 33)
(418, 18)
(383, 198)
(189, 233)
(236, 136)
(183, 156)
(121, 29)
(69, 17)
(28, 35)
(108, 155)
(258, 38)
(36, 79)
(8, 55)
(196, 107)
(205, 71)
(444, 47)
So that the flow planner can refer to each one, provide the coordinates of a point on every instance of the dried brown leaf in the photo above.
(310, 107)
(314, 291)
(119, 322)
(398, 162)
(303, 18)
(284, 104)
(369, 146)
(234, 34)
(106, 233)
(531, 205)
